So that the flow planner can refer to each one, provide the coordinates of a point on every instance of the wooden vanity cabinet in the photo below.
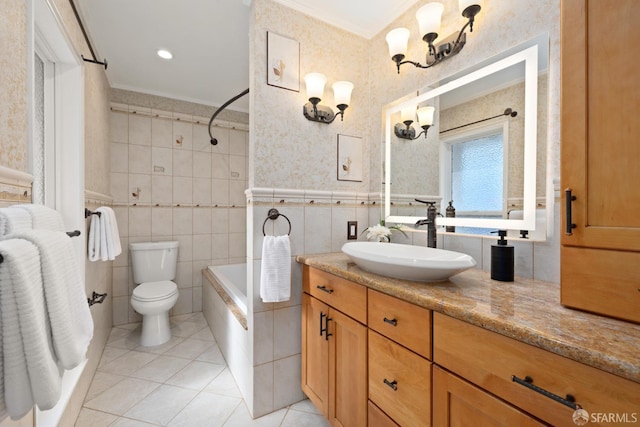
(399, 359)
(600, 255)
(334, 347)
(457, 402)
(494, 362)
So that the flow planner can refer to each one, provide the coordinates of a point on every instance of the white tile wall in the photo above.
(178, 178)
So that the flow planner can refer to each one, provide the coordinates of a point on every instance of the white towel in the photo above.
(13, 220)
(275, 275)
(43, 217)
(104, 237)
(93, 246)
(66, 301)
(29, 373)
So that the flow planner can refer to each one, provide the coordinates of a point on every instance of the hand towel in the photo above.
(275, 274)
(93, 246)
(28, 370)
(43, 217)
(13, 220)
(111, 233)
(65, 297)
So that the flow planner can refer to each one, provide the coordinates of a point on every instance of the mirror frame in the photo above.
(528, 222)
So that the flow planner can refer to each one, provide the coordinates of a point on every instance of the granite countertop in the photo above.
(527, 310)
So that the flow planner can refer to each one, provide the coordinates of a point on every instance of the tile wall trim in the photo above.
(15, 185)
(95, 198)
(178, 117)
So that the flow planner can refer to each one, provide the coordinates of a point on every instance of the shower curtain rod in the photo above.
(214, 141)
(86, 38)
(507, 112)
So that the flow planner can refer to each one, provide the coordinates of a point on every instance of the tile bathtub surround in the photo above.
(169, 183)
(184, 382)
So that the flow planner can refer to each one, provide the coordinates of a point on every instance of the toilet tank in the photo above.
(153, 261)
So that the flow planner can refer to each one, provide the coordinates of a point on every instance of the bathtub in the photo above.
(233, 278)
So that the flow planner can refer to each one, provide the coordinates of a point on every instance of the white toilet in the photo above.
(154, 268)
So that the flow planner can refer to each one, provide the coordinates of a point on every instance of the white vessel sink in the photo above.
(407, 262)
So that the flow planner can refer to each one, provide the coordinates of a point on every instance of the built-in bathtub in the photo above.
(230, 281)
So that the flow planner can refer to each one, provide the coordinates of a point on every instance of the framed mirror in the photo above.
(481, 150)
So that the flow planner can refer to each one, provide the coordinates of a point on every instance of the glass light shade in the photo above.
(342, 92)
(429, 18)
(463, 4)
(425, 115)
(315, 85)
(407, 114)
(397, 40)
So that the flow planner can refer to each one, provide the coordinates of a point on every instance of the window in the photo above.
(474, 170)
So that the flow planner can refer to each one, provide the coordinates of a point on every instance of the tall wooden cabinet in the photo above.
(600, 265)
(334, 347)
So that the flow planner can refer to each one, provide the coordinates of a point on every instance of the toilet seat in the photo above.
(154, 291)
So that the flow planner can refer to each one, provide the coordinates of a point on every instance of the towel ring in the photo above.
(273, 214)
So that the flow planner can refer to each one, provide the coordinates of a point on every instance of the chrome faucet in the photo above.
(430, 222)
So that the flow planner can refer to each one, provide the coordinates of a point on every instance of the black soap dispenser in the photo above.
(502, 259)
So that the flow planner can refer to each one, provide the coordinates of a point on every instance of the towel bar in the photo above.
(88, 213)
(273, 214)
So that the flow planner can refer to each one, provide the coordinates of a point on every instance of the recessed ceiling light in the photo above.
(163, 53)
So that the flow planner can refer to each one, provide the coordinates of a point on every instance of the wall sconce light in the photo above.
(429, 18)
(404, 130)
(313, 111)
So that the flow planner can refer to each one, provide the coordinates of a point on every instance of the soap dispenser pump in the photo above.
(502, 259)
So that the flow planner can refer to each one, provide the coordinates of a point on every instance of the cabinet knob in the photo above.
(393, 322)
(393, 384)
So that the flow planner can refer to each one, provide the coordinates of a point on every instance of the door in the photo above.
(600, 153)
(347, 371)
(315, 353)
(457, 403)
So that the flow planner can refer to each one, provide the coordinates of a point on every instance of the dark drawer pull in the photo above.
(322, 316)
(569, 401)
(393, 384)
(393, 322)
(326, 329)
(324, 288)
(569, 198)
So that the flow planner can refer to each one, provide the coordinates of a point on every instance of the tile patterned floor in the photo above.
(184, 382)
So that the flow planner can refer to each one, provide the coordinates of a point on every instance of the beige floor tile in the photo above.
(212, 355)
(160, 369)
(206, 409)
(196, 375)
(102, 381)
(161, 405)
(128, 422)
(189, 349)
(203, 334)
(90, 418)
(241, 418)
(128, 363)
(224, 384)
(162, 348)
(305, 406)
(124, 395)
(303, 419)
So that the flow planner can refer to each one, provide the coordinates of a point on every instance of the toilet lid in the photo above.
(153, 291)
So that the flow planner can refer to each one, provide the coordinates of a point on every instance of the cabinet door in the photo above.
(315, 353)
(458, 403)
(600, 152)
(600, 126)
(347, 371)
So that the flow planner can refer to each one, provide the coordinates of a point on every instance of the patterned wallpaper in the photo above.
(13, 85)
(288, 150)
(499, 26)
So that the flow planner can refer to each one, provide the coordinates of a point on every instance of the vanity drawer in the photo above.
(377, 418)
(403, 322)
(348, 297)
(491, 361)
(399, 382)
